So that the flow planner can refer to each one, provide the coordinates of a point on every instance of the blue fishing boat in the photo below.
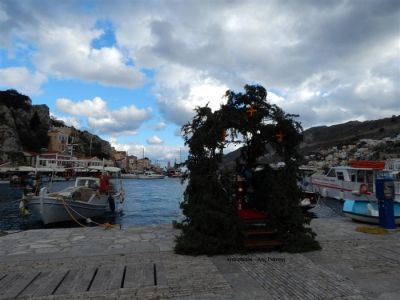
(367, 211)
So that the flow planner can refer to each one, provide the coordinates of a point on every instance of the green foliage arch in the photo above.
(211, 224)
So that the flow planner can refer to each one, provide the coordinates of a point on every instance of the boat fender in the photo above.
(22, 208)
(363, 189)
(111, 203)
(324, 193)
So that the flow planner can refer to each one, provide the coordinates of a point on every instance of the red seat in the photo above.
(251, 214)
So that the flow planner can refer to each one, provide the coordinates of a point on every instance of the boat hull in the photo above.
(53, 210)
(151, 177)
(359, 211)
(129, 176)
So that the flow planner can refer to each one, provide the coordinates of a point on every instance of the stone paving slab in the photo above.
(93, 263)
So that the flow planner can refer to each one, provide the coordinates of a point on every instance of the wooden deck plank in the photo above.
(116, 277)
(83, 280)
(43, 278)
(161, 274)
(18, 286)
(133, 276)
(148, 274)
(54, 279)
(7, 281)
(68, 283)
(102, 279)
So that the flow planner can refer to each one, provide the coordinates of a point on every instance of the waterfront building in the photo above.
(58, 139)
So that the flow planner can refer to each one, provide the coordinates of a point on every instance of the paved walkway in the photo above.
(139, 263)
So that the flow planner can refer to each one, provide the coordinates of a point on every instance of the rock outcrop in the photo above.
(9, 138)
(24, 127)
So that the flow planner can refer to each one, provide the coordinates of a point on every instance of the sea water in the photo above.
(147, 202)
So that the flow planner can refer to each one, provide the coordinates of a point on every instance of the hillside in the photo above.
(24, 127)
(317, 138)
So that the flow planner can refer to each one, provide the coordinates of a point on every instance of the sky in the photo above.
(133, 71)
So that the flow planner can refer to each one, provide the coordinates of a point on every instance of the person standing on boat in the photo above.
(104, 183)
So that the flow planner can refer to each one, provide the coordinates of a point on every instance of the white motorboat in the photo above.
(85, 199)
(356, 182)
(150, 175)
(129, 176)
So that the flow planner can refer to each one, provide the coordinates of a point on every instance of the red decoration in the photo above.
(279, 136)
(251, 111)
(224, 135)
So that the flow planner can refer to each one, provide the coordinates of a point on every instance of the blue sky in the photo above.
(132, 71)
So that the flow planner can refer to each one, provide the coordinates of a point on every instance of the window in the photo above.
(370, 177)
(331, 173)
(340, 175)
(360, 176)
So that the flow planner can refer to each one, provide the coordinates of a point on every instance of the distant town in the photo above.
(364, 149)
(60, 153)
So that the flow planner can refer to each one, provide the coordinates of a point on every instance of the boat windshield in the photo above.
(91, 183)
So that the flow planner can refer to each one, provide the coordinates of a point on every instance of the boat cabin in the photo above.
(89, 182)
(354, 175)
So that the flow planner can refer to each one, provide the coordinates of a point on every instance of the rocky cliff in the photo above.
(24, 127)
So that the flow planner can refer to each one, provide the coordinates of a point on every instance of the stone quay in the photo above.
(139, 263)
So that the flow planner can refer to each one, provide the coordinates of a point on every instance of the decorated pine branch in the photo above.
(210, 205)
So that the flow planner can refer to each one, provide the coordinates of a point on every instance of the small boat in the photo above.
(129, 176)
(150, 175)
(88, 198)
(308, 200)
(367, 211)
(174, 173)
(2, 181)
(356, 181)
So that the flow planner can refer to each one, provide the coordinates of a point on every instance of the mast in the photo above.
(90, 147)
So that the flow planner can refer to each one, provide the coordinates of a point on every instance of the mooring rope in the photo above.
(89, 220)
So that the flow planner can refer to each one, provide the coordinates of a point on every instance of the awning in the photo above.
(107, 169)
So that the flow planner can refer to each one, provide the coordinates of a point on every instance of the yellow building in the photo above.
(58, 139)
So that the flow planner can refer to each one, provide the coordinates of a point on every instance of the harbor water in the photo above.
(147, 202)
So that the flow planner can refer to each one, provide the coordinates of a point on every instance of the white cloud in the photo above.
(179, 90)
(70, 121)
(275, 98)
(300, 49)
(89, 108)
(66, 52)
(160, 126)
(22, 79)
(374, 86)
(125, 120)
(154, 140)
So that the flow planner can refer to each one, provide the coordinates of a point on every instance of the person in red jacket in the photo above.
(104, 183)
